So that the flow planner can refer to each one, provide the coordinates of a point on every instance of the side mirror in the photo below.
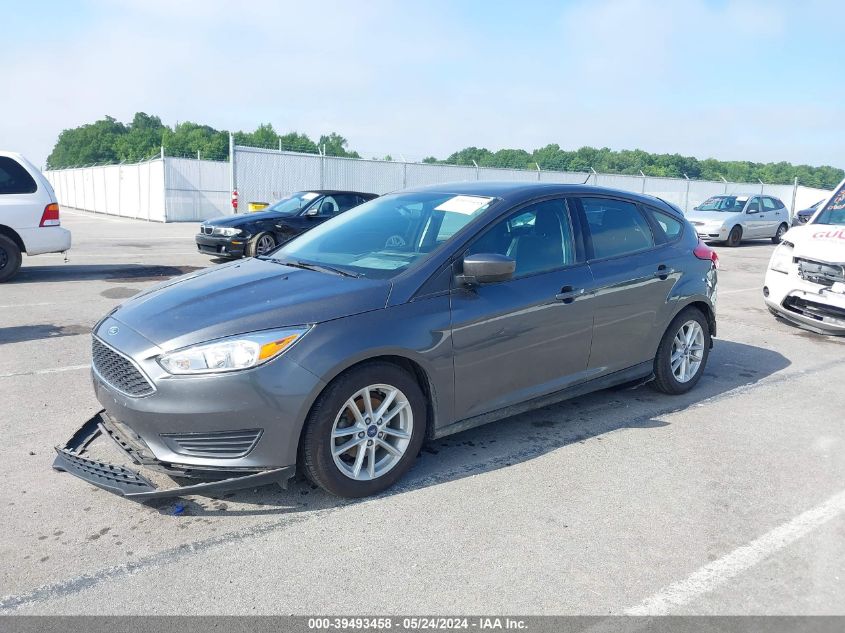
(752, 211)
(312, 212)
(485, 268)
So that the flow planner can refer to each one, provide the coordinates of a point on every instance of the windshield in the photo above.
(294, 203)
(385, 236)
(834, 212)
(723, 203)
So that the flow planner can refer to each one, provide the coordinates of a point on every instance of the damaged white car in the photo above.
(805, 281)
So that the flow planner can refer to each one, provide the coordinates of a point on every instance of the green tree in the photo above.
(88, 144)
(334, 144)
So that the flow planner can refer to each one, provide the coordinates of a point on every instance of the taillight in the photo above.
(50, 217)
(702, 251)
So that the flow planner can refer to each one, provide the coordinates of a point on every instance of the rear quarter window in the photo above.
(14, 178)
(669, 226)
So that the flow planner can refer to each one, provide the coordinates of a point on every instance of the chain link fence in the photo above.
(170, 189)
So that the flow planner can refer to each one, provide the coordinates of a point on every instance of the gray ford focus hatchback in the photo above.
(415, 315)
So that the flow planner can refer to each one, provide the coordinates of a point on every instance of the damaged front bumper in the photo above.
(132, 484)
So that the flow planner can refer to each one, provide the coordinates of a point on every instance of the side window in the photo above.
(345, 202)
(14, 178)
(778, 203)
(769, 204)
(537, 237)
(754, 205)
(328, 206)
(670, 226)
(616, 227)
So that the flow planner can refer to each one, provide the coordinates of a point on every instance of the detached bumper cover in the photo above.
(133, 485)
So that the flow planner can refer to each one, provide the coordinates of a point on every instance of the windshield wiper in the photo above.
(322, 268)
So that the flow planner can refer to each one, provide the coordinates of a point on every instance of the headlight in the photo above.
(781, 258)
(226, 231)
(231, 354)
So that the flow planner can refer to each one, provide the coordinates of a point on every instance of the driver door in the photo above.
(530, 335)
(755, 223)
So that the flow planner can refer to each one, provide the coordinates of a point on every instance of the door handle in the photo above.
(568, 294)
(663, 272)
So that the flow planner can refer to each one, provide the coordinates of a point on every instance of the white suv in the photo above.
(29, 214)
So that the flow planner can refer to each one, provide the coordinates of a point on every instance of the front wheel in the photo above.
(683, 352)
(261, 244)
(778, 237)
(364, 431)
(735, 236)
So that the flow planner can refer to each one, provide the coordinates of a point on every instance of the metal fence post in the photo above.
(644, 179)
(595, 176)
(762, 186)
(322, 166)
(794, 197)
(686, 197)
(477, 174)
(232, 181)
(726, 183)
(538, 170)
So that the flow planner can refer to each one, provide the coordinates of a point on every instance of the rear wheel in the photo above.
(778, 237)
(683, 352)
(261, 244)
(10, 258)
(735, 236)
(364, 431)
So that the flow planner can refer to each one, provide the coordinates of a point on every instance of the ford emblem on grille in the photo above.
(113, 330)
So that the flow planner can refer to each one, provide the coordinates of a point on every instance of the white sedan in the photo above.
(732, 219)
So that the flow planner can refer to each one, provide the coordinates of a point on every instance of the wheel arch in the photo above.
(405, 362)
(13, 235)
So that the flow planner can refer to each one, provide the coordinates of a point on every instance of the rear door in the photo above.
(530, 335)
(20, 196)
(633, 272)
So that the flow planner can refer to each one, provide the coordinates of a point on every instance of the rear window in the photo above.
(14, 178)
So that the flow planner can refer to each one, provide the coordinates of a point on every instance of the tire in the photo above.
(10, 258)
(735, 236)
(667, 377)
(778, 237)
(260, 245)
(328, 425)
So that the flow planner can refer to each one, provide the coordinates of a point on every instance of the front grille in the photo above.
(118, 371)
(207, 230)
(820, 272)
(223, 444)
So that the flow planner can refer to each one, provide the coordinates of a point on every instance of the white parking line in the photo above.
(720, 571)
(732, 292)
(26, 305)
(37, 372)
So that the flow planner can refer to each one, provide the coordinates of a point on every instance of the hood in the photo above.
(820, 242)
(246, 218)
(708, 217)
(245, 296)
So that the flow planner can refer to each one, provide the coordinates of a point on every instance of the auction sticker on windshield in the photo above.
(310, 195)
(466, 205)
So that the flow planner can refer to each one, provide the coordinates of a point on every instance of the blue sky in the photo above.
(747, 79)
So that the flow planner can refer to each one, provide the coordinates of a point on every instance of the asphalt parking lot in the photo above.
(728, 500)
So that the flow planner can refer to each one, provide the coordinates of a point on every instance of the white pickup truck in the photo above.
(805, 282)
(29, 214)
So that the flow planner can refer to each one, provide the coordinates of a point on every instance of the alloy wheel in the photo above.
(4, 258)
(687, 351)
(264, 245)
(371, 432)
